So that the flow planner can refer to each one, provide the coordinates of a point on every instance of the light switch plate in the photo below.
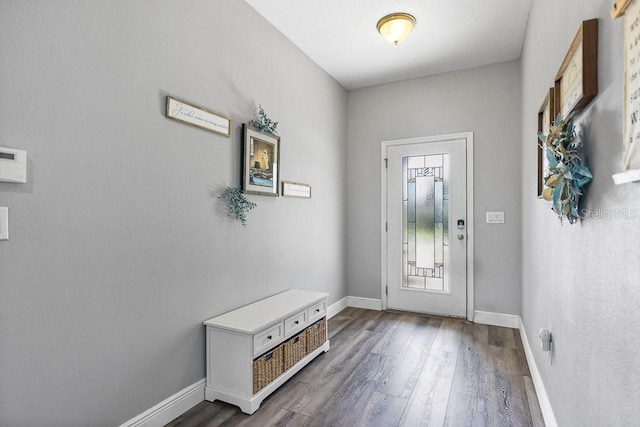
(4, 223)
(495, 217)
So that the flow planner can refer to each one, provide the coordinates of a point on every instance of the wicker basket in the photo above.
(294, 350)
(316, 335)
(267, 368)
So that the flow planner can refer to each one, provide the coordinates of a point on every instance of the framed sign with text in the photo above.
(631, 135)
(576, 83)
(296, 189)
(194, 115)
(630, 9)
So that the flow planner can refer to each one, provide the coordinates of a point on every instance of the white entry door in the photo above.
(427, 227)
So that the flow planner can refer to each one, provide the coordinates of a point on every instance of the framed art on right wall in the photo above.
(630, 11)
(545, 120)
(576, 83)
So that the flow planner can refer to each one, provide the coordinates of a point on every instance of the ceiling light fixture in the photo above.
(396, 27)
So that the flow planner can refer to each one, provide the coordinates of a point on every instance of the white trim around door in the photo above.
(468, 136)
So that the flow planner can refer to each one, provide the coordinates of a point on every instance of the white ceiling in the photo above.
(341, 36)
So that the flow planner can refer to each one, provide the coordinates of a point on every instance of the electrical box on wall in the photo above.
(13, 165)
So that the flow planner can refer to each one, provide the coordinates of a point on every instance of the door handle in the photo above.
(460, 236)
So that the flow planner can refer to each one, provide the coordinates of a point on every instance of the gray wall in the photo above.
(483, 100)
(582, 281)
(119, 248)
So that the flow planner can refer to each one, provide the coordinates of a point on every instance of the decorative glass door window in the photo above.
(425, 222)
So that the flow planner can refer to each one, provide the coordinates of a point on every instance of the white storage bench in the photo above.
(253, 350)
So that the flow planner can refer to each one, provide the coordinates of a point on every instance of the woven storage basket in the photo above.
(267, 368)
(295, 349)
(316, 335)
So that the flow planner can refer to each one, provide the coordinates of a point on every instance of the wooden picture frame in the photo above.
(576, 83)
(618, 8)
(296, 189)
(546, 117)
(194, 115)
(260, 162)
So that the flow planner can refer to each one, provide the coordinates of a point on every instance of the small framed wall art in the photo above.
(576, 83)
(260, 162)
(296, 189)
(200, 117)
(545, 120)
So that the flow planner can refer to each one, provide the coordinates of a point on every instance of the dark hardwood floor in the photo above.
(398, 369)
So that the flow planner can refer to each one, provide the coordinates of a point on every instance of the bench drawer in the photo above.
(317, 311)
(295, 323)
(267, 339)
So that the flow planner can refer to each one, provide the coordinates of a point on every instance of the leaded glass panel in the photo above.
(425, 221)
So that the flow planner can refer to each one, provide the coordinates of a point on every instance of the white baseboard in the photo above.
(541, 392)
(367, 303)
(515, 322)
(170, 408)
(497, 319)
(336, 307)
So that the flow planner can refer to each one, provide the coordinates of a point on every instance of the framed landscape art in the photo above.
(260, 162)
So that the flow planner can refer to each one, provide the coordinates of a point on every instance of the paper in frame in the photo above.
(631, 135)
(576, 82)
(260, 162)
(296, 189)
(197, 116)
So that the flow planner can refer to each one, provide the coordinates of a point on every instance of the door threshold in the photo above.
(429, 315)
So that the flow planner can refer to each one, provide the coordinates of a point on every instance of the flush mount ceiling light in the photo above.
(396, 27)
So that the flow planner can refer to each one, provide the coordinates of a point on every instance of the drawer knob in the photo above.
(296, 322)
(269, 337)
(317, 310)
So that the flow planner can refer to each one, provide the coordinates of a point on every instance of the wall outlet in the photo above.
(4, 223)
(495, 217)
(545, 339)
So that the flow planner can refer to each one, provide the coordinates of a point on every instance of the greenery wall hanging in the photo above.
(264, 123)
(238, 204)
(567, 174)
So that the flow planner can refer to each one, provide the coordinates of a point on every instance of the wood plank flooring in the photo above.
(398, 369)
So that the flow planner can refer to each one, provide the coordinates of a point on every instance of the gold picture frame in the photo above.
(546, 117)
(576, 82)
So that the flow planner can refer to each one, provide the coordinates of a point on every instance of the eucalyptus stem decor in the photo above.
(264, 123)
(567, 173)
(238, 204)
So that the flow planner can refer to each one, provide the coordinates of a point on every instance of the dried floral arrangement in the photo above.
(238, 204)
(264, 123)
(567, 174)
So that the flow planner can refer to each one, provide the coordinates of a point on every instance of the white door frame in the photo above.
(468, 137)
